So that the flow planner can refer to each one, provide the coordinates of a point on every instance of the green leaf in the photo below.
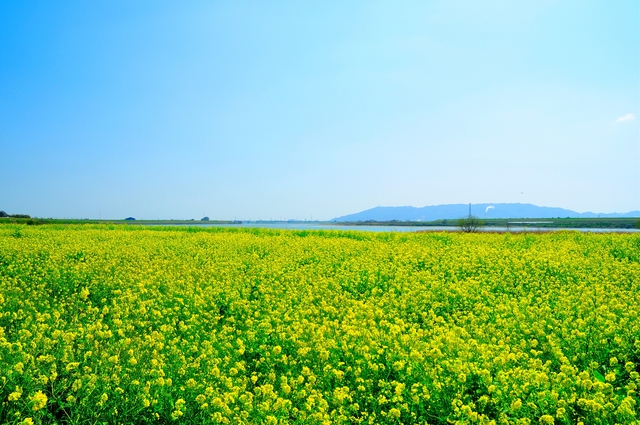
(598, 376)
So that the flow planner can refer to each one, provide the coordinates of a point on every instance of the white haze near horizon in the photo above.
(278, 110)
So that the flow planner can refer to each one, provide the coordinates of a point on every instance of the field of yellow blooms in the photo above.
(124, 324)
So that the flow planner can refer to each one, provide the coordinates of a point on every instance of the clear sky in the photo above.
(286, 109)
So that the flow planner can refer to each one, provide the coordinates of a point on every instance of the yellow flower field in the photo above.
(115, 324)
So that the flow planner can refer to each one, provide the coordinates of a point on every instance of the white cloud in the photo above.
(628, 117)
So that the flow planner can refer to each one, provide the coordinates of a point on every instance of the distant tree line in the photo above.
(4, 214)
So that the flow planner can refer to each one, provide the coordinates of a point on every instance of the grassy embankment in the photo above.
(542, 223)
(39, 221)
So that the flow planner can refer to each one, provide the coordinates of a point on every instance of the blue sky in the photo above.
(259, 110)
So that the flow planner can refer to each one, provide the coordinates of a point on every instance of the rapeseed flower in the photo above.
(38, 400)
(319, 326)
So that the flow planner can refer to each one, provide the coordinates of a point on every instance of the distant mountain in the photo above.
(454, 211)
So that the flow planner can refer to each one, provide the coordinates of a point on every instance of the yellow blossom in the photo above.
(38, 400)
(15, 396)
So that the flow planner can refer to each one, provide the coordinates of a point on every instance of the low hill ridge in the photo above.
(485, 211)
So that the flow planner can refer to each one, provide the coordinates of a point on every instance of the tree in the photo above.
(469, 224)
(3, 214)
